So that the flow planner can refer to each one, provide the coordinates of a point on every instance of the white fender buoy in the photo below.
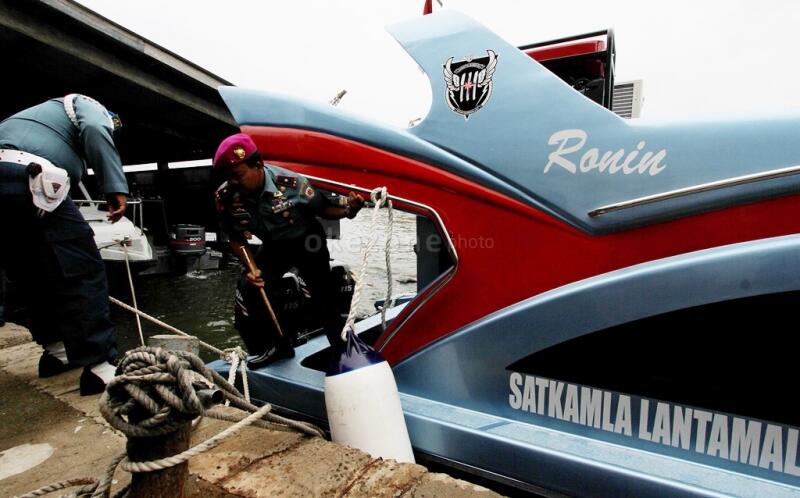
(363, 405)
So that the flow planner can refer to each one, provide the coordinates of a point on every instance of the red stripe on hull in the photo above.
(524, 251)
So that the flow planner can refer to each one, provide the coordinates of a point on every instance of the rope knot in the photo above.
(237, 357)
(232, 355)
(156, 391)
(379, 196)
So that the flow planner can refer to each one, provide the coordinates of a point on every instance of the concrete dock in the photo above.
(49, 433)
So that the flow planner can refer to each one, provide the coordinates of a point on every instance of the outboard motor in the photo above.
(187, 240)
(290, 299)
(345, 284)
(187, 244)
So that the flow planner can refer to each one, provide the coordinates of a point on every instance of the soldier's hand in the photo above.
(354, 204)
(117, 202)
(254, 278)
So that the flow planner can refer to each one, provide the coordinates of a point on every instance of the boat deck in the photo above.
(556, 459)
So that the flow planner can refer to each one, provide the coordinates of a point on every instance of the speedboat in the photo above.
(605, 306)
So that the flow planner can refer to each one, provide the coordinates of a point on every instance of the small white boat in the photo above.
(111, 237)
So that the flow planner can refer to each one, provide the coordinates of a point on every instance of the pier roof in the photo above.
(169, 106)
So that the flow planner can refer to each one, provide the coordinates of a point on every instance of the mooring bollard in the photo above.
(170, 482)
(175, 343)
(167, 483)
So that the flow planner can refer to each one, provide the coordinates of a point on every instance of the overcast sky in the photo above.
(696, 58)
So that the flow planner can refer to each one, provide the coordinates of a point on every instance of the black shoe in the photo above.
(49, 366)
(272, 355)
(91, 383)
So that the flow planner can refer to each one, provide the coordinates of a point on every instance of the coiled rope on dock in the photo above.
(165, 385)
(156, 392)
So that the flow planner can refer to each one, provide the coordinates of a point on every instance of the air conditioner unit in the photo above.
(628, 99)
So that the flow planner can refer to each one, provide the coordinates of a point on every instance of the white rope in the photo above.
(379, 197)
(164, 383)
(171, 461)
(252, 419)
(388, 302)
(245, 384)
(166, 326)
(230, 417)
(273, 422)
(237, 358)
(234, 360)
(69, 109)
(46, 490)
(124, 245)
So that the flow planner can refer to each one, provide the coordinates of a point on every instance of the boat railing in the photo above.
(137, 214)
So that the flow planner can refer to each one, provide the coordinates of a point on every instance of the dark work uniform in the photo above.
(283, 216)
(53, 260)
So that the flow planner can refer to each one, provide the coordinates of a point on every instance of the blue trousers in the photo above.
(54, 262)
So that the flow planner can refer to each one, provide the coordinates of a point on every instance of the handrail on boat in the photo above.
(696, 189)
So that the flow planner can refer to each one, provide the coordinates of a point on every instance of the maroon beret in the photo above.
(234, 150)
